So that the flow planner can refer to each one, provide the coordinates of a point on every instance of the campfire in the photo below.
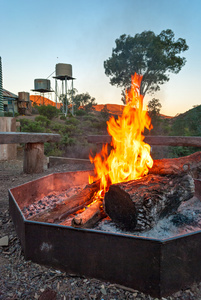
(128, 187)
(130, 157)
(102, 223)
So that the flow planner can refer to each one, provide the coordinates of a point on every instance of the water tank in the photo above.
(23, 96)
(64, 70)
(42, 84)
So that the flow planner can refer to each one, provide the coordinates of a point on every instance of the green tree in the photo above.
(153, 56)
(154, 107)
(71, 94)
(84, 100)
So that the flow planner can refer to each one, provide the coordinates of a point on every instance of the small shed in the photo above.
(10, 102)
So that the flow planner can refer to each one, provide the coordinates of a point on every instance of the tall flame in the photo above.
(130, 157)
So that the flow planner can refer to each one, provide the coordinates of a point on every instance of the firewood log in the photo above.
(190, 164)
(139, 204)
(68, 206)
(90, 216)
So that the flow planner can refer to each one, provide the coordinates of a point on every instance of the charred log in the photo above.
(68, 206)
(190, 164)
(139, 204)
(90, 216)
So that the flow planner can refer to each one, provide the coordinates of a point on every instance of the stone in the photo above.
(4, 241)
(103, 291)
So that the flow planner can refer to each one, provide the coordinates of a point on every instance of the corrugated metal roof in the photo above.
(9, 94)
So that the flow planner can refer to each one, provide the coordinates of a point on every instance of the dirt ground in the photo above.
(20, 279)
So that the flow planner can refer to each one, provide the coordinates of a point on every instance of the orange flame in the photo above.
(130, 157)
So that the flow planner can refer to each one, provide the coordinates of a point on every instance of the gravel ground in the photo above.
(20, 279)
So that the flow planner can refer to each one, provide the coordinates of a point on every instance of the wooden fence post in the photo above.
(33, 158)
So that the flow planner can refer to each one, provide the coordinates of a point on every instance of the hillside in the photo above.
(188, 123)
(113, 109)
(116, 109)
(40, 100)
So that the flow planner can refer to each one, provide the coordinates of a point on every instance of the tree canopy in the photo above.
(153, 56)
(83, 100)
(154, 107)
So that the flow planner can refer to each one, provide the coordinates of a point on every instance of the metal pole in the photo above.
(1, 91)
(63, 100)
(56, 92)
(13, 107)
(72, 99)
(66, 95)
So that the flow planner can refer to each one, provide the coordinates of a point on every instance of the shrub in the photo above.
(102, 125)
(48, 130)
(105, 113)
(43, 120)
(63, 118)
(8, 114)
(51, 149)
(72, 121)
(87, 124)
(31, 126)
(48, 111)
(57, 126)
(182, 151)
(24, 121)
(81, 112)
(66, 140)
(91, 118)
(70, 129)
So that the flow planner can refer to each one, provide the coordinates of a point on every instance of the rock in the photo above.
(177, 294)
(103, 291)
(48, 294)
(4, 241)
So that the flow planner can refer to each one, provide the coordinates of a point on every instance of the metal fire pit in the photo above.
(153, 266)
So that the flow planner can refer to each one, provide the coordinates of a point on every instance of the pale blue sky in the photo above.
(36, 35)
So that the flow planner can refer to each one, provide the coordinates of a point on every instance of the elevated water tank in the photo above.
(23, 96)
(42, 85)
(64, 70)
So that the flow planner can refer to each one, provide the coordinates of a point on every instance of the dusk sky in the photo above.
(36, 35)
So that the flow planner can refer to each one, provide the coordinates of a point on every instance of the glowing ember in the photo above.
(130, 157)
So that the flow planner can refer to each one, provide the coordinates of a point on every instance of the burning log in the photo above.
(90, 216)
(139, 204)
(187, 164)
(68, 206)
